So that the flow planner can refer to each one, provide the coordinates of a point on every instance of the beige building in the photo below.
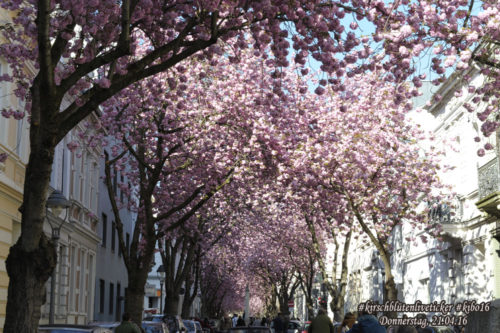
(76, 174)
(14, 142)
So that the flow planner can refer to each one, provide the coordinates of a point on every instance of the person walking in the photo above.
(346, 324)
(263, 322)
(240, 322)
(321, 323)
(235, 319)
(127, 326)
(367, 323)
(278, 324)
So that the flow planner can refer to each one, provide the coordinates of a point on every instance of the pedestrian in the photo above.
(321, 323)
(240, 322)
(278, 324)
(263, 322)
(407, 329)
(127, 326)
(235, 319)
(367, 323)
(346, 324)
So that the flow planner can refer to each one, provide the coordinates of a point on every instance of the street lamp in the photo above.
(161, 276)
(247, 305)
(55, 203)
(380, 271)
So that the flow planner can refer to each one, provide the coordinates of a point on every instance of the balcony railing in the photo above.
(489, 179)
(489, 188)
(440, 213)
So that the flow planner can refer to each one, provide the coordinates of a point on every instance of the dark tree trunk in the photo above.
(29, 272)
(171, 303)
(188, 299)
(134, 295)
(33, 258)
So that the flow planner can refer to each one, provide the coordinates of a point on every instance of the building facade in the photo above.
(76, 174)
(466, 265)
(13, 142)
(111, 273)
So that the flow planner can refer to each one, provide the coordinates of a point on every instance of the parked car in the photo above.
(148, 326)
(109, 325)
(154, 327)
(154, 317)
(190, 326)
(304, 327)
(64, 328)
(250, 329)
(197, 324)
(174, 323)
(294, 326)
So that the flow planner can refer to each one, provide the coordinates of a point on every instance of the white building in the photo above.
(467, 265)
(111, 274)
(76, 175)
(155, 290)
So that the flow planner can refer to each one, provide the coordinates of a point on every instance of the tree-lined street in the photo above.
(267, 150)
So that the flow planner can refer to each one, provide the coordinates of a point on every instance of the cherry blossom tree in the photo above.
(86, 52)
(369, 161)
(215, 128)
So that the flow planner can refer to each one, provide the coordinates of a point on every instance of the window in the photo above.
(88, 285)
(119, 247)
(104, 229)
(20, 135)
(4, 122)
(92, 186)
(72, 278)
(121, 191)
(115, 182)
(72, 184)
(81, 176)
(111, 297)
(128, 243)
(78, 279)
(113, 236)
(102, 286)
(118, 304)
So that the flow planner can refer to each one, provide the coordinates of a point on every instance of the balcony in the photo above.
(489, 188)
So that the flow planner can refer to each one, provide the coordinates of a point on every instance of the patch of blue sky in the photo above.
(422, 63)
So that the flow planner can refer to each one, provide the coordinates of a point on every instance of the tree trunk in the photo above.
(390, 292)
(33, 258)
(188, 299)
(339, 299)
(171, 303)
(27, 290)
(134, 294)
(186, 306)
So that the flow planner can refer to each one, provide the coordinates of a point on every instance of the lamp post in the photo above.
(247, 305)
(161, 276)
(381, 273)
(55, 203)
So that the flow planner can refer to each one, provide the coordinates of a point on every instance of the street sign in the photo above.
(150, 290)
(290, 303)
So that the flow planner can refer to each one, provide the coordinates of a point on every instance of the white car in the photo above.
(63, 328)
